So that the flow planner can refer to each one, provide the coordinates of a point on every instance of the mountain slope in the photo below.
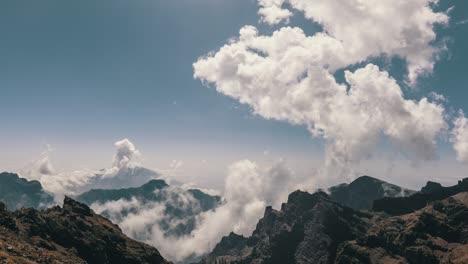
(307, 229)
(431, 192)
(437, 233)
(16, 193)
(71, 234)
(311, 228)
(180, 207)
(361, 193)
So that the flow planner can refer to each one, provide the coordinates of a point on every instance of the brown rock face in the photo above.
(438, 233)
(311, 228)
(71, 234)
(308, 229)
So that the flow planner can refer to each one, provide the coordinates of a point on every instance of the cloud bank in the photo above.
(248, 190)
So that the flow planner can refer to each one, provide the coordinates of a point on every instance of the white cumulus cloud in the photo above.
(460, 137)
(289, 76)
(371, 27)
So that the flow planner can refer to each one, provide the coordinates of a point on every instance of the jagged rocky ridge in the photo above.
(361, 193)
(16, 193)
(181, 206)
(312, 228)
(71, 234)
(431, 192)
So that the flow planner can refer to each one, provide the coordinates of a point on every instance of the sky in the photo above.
(81, 75)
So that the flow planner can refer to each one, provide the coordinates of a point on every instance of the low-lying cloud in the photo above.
(248, 190)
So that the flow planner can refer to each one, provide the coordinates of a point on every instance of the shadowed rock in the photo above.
(361, 193)
(16, 193)
(311, 228)
(431, 192)
(71, 234)
(307, 229)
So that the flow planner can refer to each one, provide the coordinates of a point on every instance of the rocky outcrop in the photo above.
(311, 228)
(431, 192)
(69, 234)
(361, 193)
(16, 193)
(307, 229)
(437, 233)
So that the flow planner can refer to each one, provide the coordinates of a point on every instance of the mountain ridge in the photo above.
(70, 234)
(361, 193)
(430, 192)
(313, 228)
(17, 192)
(156, 191)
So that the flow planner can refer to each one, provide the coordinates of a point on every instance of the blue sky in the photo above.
(79, 75)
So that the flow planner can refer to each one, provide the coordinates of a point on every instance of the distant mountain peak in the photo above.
(180, 206)
(431, 192)
(360, 193)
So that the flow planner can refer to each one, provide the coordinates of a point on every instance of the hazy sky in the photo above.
(80, 75)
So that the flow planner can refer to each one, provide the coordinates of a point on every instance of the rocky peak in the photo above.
(154, 185)
(307, 229)
(431, 192)
(431, 187)
(360, 193)
(71, 234)
(306, 200)
(76, 207)
(311, 228)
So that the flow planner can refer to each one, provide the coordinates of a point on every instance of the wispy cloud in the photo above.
(462, 22)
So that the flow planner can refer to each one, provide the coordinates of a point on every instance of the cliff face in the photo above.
(437, 233)
(71, 234)
(311, 228)
(307, 229)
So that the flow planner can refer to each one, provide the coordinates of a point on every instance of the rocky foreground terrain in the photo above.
(70, 234)
(313, 228)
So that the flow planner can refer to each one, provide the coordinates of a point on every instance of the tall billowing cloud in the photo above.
(290, 76)
(124, 158)
(460, 137)
(126, 153)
